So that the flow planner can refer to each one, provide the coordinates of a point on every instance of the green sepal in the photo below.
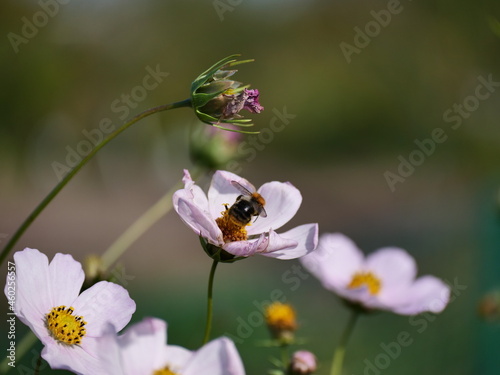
(217, 253)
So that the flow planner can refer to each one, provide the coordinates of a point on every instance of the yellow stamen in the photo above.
(231, 231)
(367, 279)
(164, 371)
(64, 326)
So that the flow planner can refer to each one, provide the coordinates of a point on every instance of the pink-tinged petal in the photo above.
(218, 357)
(393, 266)
(222, 192)
(428, 293)
(81, 359)
(66, 279)
(335, 261)
(247, 248)
(282, 203)
(33, 299)
(294, 243)
(198, 219)
(142, 346)
(176, 358)
(104, 303)
(187, 180)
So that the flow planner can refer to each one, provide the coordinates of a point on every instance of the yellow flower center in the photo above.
(164, 371)
(367, 279)
(64, 326)
(281, 316)
(231, 231)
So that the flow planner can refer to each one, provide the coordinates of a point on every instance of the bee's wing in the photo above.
(241, 188)
(262, 212)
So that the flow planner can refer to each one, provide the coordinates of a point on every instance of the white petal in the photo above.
(218, 357)
(294, 243)
(222, 192)
(176, 358)
(335, 261)
(247, 248)
(427, 293)
(104, 303)
(282, 203)
(142, 346)
(394, 267)
(32, 290)
(66, 279)
(197, 217)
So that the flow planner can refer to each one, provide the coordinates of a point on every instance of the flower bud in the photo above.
(489, 307)
(303, 363)
(281, 321)
(217, 99)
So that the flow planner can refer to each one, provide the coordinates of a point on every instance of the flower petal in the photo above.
(218, 357)
(196, 216)
(104, 303)
(176, 357)
(335, 261)
(294, 243)
(66, 279)
(393, 266)
(142, 346)
(428, 293)
(247, 248)
(282, 203)
(222, 192)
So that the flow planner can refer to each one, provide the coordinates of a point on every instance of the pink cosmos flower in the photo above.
(382, 280)
(142, 350)
(204, 214)
(48, 300)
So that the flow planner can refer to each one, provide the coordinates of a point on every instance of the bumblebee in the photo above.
(247, 205)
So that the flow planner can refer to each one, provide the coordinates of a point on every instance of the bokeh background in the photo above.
(354, 121)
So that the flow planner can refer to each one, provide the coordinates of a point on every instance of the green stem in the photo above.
(208, 326)
(285, 359)
(29, 220)
(21, 349)
(338, 356)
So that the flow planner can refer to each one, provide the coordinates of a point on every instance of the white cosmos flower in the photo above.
(77, 320)
(385, 279)
(200, 212)
(142, 350)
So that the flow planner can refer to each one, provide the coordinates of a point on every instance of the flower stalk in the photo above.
(53, 193)
(339, 354)
(210, 302)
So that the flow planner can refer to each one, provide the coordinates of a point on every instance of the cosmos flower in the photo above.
(208, 218)
(142, 350)
(68, 323)
(217, 99)
(383, 280)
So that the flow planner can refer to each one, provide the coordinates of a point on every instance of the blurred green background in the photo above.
(354, 121)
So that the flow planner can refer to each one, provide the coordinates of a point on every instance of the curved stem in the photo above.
(338, 356)
(208, 326)
(25, 225)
